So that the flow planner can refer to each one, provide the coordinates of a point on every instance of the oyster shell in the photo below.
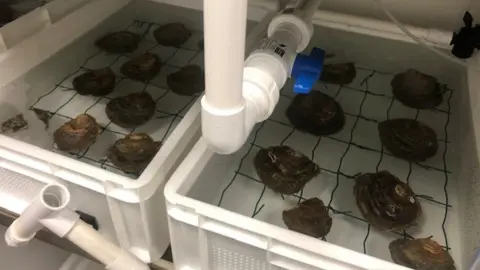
(172, 34)
(131, 110)
(119, 42)
(408, 139)
(14, 124)
(316, 113)
(310, 217)
(385, 201)
(187, 81)
(421, 254)
(417, 90)
(97, 82)
(343, 73)
(284, 169)
(77, 133)
(43, 116)
(133, 153)
(142, 68)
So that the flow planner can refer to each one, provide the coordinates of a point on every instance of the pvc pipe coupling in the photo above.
(48, 205)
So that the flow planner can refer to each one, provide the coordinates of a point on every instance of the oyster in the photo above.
(97, 82)
(316, 113)
(284, 169)
(385, 201)
(343, 73)
(408, 139)
(421, 254)
(14, 124)
(119, 42)
(77, 133)
(172, 34)
(310, 217)
(187, 81)
(417, 90)
(142, 68)
(43, 116)
(131, 110)
(133, 153)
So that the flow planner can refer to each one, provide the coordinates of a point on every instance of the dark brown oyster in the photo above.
(172, 34)
(131, 110)
(77, 134)
(14, 124)
(386, 202)
(201, 44)
(97, 82)
(7, 14)
(421, 254)
(187, 81)
(417, 90)
(119, 42)
(143, 67)
(316, 113)
(408, 139)
(43, 116)
(310, 217)
(133, 153)
(284, 169)
(343, 73)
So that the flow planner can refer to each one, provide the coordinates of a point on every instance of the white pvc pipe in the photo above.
(306, 8)
(366, 26)
(85, 237)
(49, 210)
(225, 29)
(52, 199)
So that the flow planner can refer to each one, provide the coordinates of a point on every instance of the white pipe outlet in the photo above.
(49, 210)
(51, 200)
(240, 94)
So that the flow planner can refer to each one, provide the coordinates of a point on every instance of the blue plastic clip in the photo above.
(307, 70)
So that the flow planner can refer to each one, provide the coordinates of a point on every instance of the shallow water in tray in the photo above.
(366, 101)
(62, 103)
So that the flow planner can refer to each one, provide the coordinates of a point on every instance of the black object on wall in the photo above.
(467, 39)
(91, 220)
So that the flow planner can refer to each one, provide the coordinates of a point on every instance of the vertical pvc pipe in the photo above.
(225, 29)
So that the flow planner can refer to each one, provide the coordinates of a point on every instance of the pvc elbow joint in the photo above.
(226, 130)
(223, 129)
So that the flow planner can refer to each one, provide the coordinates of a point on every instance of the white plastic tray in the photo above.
(128, 209)
(222, 217)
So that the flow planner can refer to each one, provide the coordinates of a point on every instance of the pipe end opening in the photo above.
(55, 196)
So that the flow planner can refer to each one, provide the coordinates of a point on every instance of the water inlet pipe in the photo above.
(49, 210)
(240, 93)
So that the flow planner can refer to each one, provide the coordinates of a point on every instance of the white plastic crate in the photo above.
(43, 64)
(222, 217)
